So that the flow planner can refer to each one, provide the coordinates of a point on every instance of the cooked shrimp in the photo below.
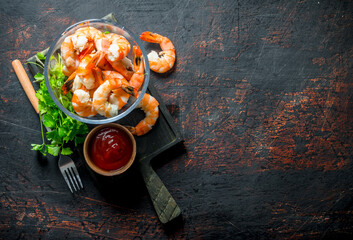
(118, 49)
(150, 106)
(120, 67)
(82, 103)
(84, 70)
(69, 56)
(112, 74)
(104, 64)
(71, 84)
(98, 75)
(100, 96)
(118, 96)
(139, 75)
(84, 37)
(75, 47)
(127, 64)
(163, 61)
(83, 74)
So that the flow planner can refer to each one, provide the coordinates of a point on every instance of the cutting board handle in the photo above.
(164, 204)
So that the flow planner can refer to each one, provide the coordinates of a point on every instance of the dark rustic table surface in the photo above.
(261, 94)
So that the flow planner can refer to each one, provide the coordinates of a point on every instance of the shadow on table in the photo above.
(125, 190)
(129, 188)
(42, 160)
(168, 156)
(174, 226)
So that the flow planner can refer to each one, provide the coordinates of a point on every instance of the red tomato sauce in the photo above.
(110, 148)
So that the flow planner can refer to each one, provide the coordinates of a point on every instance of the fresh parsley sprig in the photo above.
(64, 129)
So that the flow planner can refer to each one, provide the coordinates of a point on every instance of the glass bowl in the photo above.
(102, 25)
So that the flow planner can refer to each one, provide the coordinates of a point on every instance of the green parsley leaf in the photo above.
(37, 147)
(53, 150)
(54, 136)
(39, 77)
(64, 130)
(66, 151)
(49, 121)
(40, 56)
(106, 32)
(79, 140)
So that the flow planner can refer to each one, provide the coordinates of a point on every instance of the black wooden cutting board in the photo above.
(163, 136)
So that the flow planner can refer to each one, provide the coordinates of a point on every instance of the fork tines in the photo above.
(72, 178)
(70, 173)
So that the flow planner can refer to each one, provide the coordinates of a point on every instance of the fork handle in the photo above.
(166, 207)
(26, 83)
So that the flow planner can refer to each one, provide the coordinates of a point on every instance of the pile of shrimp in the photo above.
(102, 78)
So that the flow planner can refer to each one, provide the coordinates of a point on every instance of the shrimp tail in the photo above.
(130, 90)
(131, 129)
(91, 63)
(137, 51)
(104, 64)
(88, 50)
(137, 57)
(120, 68)
(151, 37)
(67, 86)
(98, 75)
(137, 61)
(100, 57)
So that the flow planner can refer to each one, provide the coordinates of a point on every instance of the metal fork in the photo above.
(70, 173)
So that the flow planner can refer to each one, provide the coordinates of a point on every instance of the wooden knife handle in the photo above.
(166, 207)
(26, 83)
